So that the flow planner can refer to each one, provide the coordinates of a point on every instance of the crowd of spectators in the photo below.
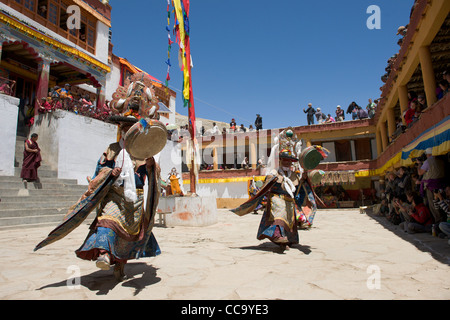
(63, 99)
(417, 105)
(417, 199)
(182, 132)
(357, 113)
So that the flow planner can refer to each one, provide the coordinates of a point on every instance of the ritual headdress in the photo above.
(135, 100)
(135, 105)
(289, 145)
(286, 146)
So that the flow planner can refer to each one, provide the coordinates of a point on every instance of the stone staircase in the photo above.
(25, 205)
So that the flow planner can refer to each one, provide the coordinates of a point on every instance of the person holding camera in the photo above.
(442, 202)
(420, 217)
(433, 177)
(402, 208)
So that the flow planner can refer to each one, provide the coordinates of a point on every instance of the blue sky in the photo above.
(266, 57)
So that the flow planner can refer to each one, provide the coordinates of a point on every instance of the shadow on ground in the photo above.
(138, 276)
(438, 248)
(271, 247)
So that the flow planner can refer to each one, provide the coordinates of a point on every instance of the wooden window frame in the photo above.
(90, 22)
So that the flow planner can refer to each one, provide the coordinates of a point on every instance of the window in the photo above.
(343, 150)
(82, 31)
(53, 13)
(29, 4)
(363, 149)
(63, 16)
(91, 37)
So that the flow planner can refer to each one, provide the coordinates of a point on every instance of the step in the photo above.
(42, 173)
(30, 220)
(42, 180)
(52, 185)
(39, 199)
(42, 192)
(29, 226)
(30, 205)
(37, 212)
(51, 222)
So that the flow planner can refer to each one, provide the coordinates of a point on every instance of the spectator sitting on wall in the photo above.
(64, 93)
(399, 128)
(412, 114)
(320, 116)
(371, 109)
(329, 119)
(422, 102)
(412, 96)
(55, 92)
(233, 125)
(446, 76)
(244, 163)
(444, 86)
(340, 116)
(362, 114)
(214, 129)
(44, 105)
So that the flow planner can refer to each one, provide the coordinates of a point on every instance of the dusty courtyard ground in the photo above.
(346, 255)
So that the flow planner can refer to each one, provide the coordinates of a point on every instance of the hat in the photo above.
(310, 104)
(401, 30)
(318, 109)
(286, 154)
(135, 100)
(338, 107)
(429, 151)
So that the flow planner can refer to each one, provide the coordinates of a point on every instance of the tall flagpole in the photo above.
(182, 15)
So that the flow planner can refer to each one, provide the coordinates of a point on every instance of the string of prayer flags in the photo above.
(183, 38)
(169, 65)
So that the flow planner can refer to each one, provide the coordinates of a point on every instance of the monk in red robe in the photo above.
(31, 159)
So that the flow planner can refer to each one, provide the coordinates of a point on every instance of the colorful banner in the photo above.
(436, 137)
(183, 38)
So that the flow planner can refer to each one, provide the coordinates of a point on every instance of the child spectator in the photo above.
(411, 115)
(329, 119)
